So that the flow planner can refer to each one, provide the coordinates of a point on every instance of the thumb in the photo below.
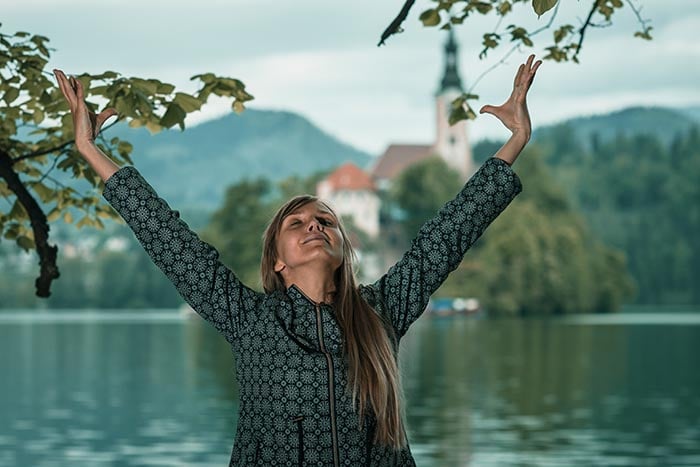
(489, 109)
(102, 118)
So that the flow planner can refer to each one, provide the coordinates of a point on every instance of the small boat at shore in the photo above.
(453, 306)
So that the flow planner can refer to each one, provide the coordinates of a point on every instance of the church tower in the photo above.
(451, 142)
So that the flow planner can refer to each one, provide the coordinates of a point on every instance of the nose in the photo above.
(315, 225)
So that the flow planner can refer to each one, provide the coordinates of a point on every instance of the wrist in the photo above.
(84, 146)
(521, 136)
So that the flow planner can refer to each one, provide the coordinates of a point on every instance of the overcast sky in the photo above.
(319, 58)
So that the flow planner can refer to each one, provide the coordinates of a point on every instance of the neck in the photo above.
(316, 285)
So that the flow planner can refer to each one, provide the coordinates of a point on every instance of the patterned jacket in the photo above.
(295, 408)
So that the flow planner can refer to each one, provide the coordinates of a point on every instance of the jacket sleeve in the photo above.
(402, 293)
(191, 264)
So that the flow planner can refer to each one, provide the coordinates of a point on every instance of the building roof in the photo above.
(350, 177)
(399, 157)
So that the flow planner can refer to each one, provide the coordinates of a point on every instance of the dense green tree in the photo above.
(538, 257)
(421, 190)
(639, 194)
(236, 228)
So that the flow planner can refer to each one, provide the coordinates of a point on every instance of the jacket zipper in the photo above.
(331, 387)
(300, 432)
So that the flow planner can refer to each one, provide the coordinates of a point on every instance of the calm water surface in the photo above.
(148, 388)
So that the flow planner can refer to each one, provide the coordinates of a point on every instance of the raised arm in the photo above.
(191, 264)
(403, 292)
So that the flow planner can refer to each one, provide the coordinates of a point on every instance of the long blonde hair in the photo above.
(373, 373)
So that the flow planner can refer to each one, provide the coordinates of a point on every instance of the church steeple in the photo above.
(451, 141)
(451, 79)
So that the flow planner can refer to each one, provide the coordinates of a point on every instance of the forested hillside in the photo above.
(628, 181)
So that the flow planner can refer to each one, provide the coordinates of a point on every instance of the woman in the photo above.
(316, 355)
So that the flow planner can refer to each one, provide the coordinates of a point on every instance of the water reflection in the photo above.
(115, 394)
(538, 392)
(481, 393)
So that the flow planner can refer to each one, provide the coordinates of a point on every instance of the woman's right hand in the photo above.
(86, 124)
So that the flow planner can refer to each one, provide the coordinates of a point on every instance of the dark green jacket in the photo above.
(292, 375)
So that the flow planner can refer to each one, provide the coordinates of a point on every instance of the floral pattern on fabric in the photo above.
(294, 403)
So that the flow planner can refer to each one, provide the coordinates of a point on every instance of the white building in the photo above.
(352, 193)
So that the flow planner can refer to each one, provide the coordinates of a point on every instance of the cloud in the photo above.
(320, 58)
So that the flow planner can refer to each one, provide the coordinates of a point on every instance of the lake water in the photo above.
(155, 389)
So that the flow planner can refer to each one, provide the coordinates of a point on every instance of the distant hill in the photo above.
(663, 122)
(692, 112)
(191, 169)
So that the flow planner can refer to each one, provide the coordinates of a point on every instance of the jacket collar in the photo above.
(299, 298)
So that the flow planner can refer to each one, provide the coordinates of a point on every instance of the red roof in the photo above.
(350, 177)
(399, 157)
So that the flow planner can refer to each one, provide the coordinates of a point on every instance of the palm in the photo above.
(86, 124)
(513, 112)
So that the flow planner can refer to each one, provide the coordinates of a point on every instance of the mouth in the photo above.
(311, 238)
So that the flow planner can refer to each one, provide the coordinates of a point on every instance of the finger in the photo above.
(488, 109)
(527, 67)
(65, 88)
(79, 89)
(521, 68)
(533, 72)
(102, 118)
(528, 63)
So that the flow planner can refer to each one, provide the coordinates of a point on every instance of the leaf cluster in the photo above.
(565, 43)
(36, 136)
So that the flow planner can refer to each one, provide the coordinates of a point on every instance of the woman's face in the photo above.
(310, 234)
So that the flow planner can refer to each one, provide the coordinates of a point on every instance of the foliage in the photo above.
(236, 228)
(421, 190)
(641, 196)
(540, 258)
(565, 44)
(36, 138)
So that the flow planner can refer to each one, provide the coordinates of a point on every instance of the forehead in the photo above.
(310, 209)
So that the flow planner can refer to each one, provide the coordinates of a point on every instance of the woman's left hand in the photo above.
(513, 113)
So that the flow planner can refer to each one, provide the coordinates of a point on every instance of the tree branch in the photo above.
(61, 147)
(582, 31)
(42, 152)
(395, 25)
(47, 253)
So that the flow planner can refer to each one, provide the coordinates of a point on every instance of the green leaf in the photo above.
(186, 102)
(238, 107)
(483, 7)
(17, 212)
(165, 88)
(38, 116)
(174, 115)
(504, 8)
(84, 221)
(148, 85)
(53, 215)
(10, 95)
(543, 6)
(430, 17)
(562, 32)
(45, 193)
(25, 243)
(458, 114)
(124, 147)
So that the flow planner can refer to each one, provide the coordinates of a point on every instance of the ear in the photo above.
(279, 266)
